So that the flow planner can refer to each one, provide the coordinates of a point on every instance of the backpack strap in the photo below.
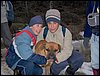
(29, 33)
(63, 30)
(46, 31)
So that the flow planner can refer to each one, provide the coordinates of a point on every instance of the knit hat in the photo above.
(36, 20)
(53, 15)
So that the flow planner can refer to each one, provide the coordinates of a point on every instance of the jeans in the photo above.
(95, 51)
(75, 60)
(29, 68)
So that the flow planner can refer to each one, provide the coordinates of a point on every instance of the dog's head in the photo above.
(49, 49)
(52, 49)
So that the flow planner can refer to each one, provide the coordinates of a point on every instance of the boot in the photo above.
(69, 71)
(95, 71)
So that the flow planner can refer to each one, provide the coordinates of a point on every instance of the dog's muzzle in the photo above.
(51, 56)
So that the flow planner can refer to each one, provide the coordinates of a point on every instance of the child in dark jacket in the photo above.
(20, 54)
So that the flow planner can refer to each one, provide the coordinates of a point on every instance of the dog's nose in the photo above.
(51, 56)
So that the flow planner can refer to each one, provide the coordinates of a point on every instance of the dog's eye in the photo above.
(55, 50)
(47, 50)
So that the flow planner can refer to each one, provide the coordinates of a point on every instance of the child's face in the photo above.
(37, 28)
(53, 26)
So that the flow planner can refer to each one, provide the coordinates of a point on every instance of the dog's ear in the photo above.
(43, 46)
(59, 48)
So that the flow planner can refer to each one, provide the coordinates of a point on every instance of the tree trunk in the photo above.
(26, 9)
(51, 4)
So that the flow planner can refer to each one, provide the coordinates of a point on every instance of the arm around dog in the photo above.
(24, 49)
(66, 46)
(38, 59)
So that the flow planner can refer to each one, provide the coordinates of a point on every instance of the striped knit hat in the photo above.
(53, 15)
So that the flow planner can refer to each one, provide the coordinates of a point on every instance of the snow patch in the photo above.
(86, 68)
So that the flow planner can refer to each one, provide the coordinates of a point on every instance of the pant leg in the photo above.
(6, 34)
(95, 51)
(57, 68)
(29, 68)
(75, 61)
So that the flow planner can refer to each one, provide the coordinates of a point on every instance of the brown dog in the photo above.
(49, 50)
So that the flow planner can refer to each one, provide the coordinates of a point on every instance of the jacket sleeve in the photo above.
(89, 9)
(38, 59)
(67, 47)
(24, 49)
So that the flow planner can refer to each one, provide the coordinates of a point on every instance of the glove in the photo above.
(86, 42)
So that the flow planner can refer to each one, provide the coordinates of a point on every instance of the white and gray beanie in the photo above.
(53, 15)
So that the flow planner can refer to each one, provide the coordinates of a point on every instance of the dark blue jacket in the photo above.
(89, 9)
